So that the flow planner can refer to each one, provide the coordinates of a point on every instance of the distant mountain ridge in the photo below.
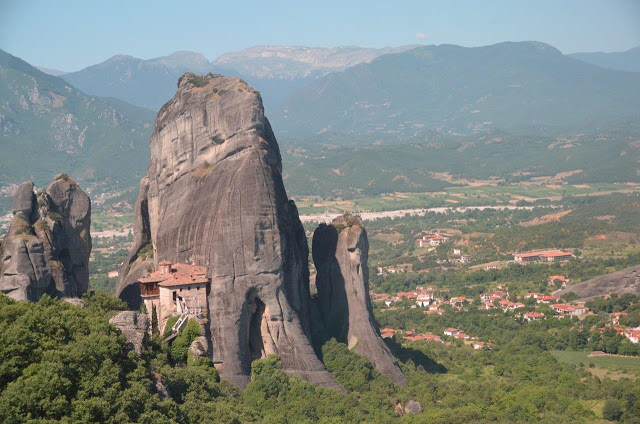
(622, 61)
(458, 89)
(146, 83)
(48, 127)
(276, 71)
(54, 72)
(278, 62)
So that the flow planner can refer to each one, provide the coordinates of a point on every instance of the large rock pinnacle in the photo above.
(48, 245)
(214, 195)
(340, 254)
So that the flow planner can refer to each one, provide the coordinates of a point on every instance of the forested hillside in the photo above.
(48, 127)
(457, 89)
(63, 363)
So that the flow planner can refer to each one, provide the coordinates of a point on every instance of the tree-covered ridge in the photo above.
(64, 363)
(461, 89)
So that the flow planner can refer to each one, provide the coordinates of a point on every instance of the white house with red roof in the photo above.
(546, 299)
(490, 296)
(451, 331)
(633, 335)
(616, 317)
(564, 309)
(508, 305)
(533, 316)
(545, 256)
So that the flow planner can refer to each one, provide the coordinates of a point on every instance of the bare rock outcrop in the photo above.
(340, 254)
(134, 326)
(412, 407)
(214, 195)
(199, 348)
(48, 244)
(619, 282)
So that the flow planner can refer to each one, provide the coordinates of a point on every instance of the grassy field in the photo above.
(614, 367)
(461, 196)
(110, 220)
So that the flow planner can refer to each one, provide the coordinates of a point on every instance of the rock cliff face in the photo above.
(340, 254)
(619, 282)
(214, 194)
(48, 245)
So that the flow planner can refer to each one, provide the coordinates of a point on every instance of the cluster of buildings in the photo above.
(541, 298)
(458, 334)
(453, 333)
(542, 256)
(397, 269)
(632, 334)
(423, 297)
(175, 289)
(409, 335)
(431, 240)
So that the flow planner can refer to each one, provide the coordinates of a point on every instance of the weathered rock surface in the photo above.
(199, 347)
(620, 282)
(214, 195)
(48, 244)
(340, 254)
(412, 407)
(134, 326)
(70, 237)
(24, 203)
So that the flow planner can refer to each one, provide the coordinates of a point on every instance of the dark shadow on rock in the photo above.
(131, 295)
(405, 354)
(332, 297)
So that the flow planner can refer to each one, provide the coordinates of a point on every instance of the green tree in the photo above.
(612, 410)
(180, 345)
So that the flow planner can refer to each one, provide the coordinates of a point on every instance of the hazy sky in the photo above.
(70, 35)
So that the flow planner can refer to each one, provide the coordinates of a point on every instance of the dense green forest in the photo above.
(64, 363)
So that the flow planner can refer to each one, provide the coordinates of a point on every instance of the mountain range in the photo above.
(457, 89)
(403, 107)
(48, 127)
(622, 61)
(275, 71)
(145, 83)
(400, 90)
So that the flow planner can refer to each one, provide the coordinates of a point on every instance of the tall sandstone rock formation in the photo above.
(340, 254)
(214, 195)
(48, 244)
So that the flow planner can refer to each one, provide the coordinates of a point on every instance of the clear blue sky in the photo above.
(70, 35)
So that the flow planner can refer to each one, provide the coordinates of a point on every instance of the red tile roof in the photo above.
(555, 254)
(527, 255)
(180, 275)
